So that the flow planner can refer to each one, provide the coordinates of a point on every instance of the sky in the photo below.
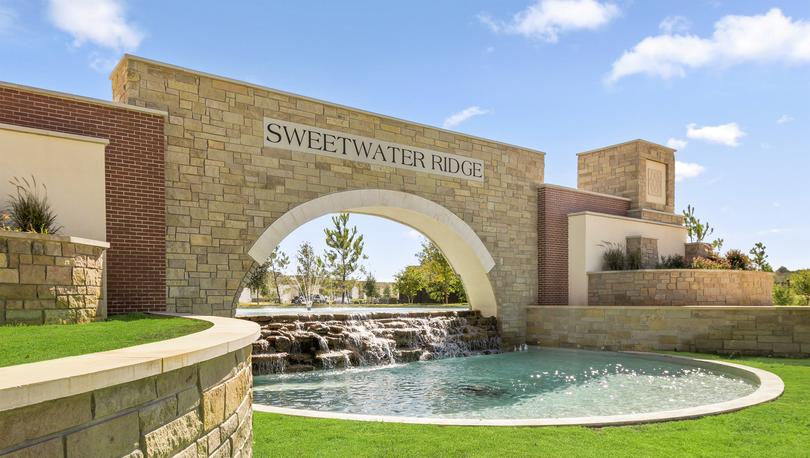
(727, 83)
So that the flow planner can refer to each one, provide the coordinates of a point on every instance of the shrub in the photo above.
(800, 283)
(632, 261)
(675, 261)
(738, 260)
(783, 295)
(30, 210)
(613, 257)
(710, 263)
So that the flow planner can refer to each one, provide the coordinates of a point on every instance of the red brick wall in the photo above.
(554, 205)
(134, 163)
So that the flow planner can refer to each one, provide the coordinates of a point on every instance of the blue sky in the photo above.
(727, 82)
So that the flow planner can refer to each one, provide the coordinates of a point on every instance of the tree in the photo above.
(277, 264)
(345, 252)
(759, 258)
(309, 271)
(370, 287)
(257, 280)
(387, 293)
(696, 229)
(439, 278)
(800, 282)
(408, 282)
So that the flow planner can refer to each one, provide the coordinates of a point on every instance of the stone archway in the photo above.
(459, 243)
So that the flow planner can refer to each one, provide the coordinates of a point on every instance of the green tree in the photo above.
(257, 280)
(345, 252)
(370, 288)
(759, 258)
(309, 271)
(277, 264)
(696, 229)
(783, 295)
(386, 292)
(408, 282)
(439, 278)
(800, 283)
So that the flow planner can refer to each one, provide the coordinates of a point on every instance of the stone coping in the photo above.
(770, 388)
(81, 98)
(582, 191)
(626, 218)
(52, 238)
(657, 145)
(752, 272)
(343, 316)
(53, 133)
(32, 383)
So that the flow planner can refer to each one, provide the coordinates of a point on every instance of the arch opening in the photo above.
(462, 247)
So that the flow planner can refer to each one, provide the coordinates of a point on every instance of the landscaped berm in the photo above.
(598, 319)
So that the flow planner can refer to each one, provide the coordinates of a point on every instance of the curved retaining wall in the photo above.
(777, 331)
(680, 287)
(47, 279)
(189, 396)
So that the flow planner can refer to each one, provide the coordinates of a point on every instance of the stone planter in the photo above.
(676, 287)
(50, 279)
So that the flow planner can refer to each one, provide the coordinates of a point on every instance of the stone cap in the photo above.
(638, 140)
(32, 383)
(52, 238)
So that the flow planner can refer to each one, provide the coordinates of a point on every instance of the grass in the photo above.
(779, 428)
(28, 344)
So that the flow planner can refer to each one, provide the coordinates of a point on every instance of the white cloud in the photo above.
(770, 37)
(546, 19)
(784, 119)
(457, 118)
(101, 22)
(684, 170)
(677, 143)
(674, 24)
(724, 134)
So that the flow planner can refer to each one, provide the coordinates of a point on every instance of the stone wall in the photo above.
(621, 170)
(777, 331)
(224, 188)
(673, 287)
(202, 410)
(50, 279)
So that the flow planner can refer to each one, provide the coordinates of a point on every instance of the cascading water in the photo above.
(297, 343)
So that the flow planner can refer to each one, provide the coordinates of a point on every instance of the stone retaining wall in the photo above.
(674, 287)
(201, 410)
(777, 331)
(50, 279)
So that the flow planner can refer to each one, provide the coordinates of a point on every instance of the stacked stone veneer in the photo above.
(224, 188)
(672, 287)
(777, 331)
(50, 279)
(202, 410)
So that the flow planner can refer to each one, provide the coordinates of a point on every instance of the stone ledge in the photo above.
(32, 383)
(53, 238)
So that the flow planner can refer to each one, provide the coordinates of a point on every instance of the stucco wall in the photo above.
(588, 230)
(224, 188)
(680, 287)
(778, 331)
(50, 279)
(72, 168)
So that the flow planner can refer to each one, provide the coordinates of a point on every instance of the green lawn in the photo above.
(28, 344)
(777, 429)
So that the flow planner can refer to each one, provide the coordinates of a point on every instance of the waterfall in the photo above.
(296, 343)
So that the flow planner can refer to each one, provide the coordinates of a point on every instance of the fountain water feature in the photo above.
(299, 343)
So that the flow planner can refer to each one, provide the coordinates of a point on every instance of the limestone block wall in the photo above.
(201, 410)
(673, 287)
(224, 187)
(777, 331)
(50, 279)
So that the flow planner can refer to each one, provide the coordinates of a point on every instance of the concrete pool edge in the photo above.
(770, 388)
